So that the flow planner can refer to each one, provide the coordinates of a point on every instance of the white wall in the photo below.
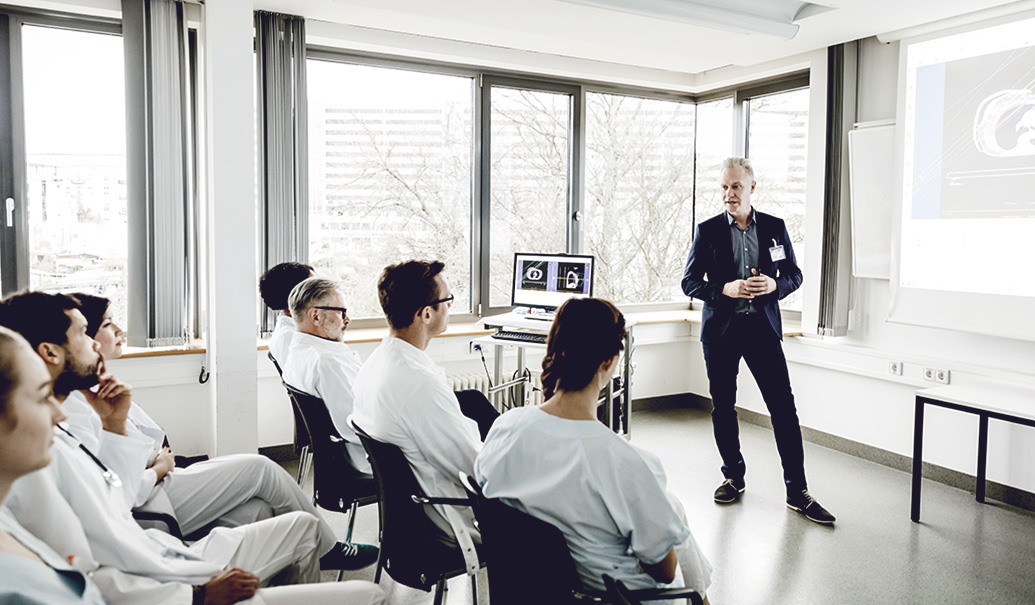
(842, 385)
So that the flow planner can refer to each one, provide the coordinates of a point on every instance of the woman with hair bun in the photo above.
(30, 572)
(558, 463)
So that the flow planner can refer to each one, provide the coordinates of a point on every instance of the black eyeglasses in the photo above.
(342, 310)
(449, 299)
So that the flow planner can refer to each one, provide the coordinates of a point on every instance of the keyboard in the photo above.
(531, 337)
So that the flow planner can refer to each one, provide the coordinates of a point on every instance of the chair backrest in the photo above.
(411, 545)
(529, 560)
(618, 593)
(275, 364)
(336, 483)
(301, 435)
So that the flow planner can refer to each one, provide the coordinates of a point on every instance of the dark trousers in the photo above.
(476, 406)
(750, 337)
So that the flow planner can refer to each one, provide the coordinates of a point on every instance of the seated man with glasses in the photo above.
(403, 398)
(319, 363)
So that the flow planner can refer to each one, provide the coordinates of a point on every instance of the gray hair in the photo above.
(741, 163)
(308, 293)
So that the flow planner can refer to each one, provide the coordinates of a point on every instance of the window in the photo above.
(777, 138)
(75, 162)
(415, 160)
(639, 195)
(714, 144)
(529, 180)
(87, 177)
(389, 176)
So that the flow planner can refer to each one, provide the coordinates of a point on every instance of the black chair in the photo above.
(157, 520)
(521, 547)
(337, 485)
(620, 594)
(530, 558)
(412, 550)
(302, 449)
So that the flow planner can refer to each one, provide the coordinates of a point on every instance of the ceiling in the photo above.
(572, 29)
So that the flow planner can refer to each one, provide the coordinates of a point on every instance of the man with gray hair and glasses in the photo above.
(319, 362)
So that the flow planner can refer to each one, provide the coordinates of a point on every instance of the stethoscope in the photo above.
(109, 476)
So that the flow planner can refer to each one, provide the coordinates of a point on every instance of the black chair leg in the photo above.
(341, 574)
(303, 465)
(352, 520)
(440, 591)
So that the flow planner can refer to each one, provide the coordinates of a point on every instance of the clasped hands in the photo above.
(757, 285)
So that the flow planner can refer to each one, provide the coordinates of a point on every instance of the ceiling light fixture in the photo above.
(704, 15)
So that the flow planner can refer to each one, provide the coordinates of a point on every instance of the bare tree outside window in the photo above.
(777, 144)
(529, 180)
(639, 195)
(390, 176)
(714, 144)
(75, 144)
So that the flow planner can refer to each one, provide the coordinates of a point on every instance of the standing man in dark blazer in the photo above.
(741, 264)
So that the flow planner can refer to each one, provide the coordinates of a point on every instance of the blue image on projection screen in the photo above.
(927, 171)
(974, 154)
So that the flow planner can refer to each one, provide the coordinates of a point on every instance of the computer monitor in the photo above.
(545, 281)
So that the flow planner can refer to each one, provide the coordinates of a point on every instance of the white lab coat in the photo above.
(327, 369)
(56, 583)
(128, 455)
(403, 398)
(604, 494)
(280, 340)
(84, 518)
(229, 491)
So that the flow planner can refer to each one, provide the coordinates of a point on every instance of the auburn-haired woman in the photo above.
(558, 463)
(30, 572)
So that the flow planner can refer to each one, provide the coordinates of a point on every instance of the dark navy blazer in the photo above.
(710, 266)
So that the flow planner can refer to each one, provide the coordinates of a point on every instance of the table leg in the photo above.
(609, 407)
(497, 366)
(627, 384)
(982, 456)
(918, 457)
(521, 372)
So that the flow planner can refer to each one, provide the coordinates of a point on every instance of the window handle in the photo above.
(9, 203)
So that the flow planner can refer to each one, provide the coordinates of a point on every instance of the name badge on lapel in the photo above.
(776, 252)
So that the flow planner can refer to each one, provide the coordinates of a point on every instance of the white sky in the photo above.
(74, 92)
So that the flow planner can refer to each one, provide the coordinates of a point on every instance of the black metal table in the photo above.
(1010, 402)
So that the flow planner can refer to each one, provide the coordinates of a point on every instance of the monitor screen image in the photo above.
(545, 281)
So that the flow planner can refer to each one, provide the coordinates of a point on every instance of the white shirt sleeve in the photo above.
(127, 456)
(640, 508)
(449, 441)
(334, 385)
(120, 588)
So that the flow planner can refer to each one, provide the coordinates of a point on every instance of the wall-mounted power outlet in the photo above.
(474, 347)
(937, 375)
(895, 368)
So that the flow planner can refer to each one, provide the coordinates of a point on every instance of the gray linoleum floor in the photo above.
(763, 553)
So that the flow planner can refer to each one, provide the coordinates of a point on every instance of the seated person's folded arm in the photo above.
(664, 571)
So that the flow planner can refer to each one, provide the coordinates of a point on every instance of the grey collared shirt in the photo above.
(745, 254)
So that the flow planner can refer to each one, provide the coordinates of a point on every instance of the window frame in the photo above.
(14, 255)
(485, 79)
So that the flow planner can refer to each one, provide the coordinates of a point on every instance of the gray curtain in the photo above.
(159, 175)
(282, 144)
(836, 273)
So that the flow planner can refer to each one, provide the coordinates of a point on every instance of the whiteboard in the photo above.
(871, 177)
